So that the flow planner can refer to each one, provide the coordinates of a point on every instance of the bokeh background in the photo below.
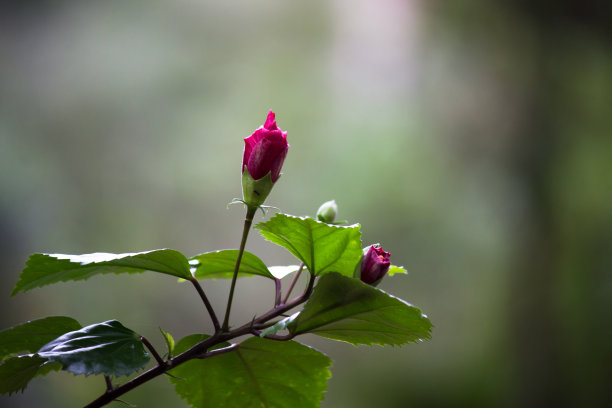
(472, 139)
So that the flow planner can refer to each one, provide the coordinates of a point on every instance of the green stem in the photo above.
(248, 220)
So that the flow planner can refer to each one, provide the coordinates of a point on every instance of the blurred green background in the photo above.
(471, 139)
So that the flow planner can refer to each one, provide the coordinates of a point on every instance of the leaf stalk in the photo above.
(207, 304)
(154, 353)
(293, 282)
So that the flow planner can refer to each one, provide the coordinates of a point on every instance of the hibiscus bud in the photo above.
(327, 212)
(264, 153)
(374, 265)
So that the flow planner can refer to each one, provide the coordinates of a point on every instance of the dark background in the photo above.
(472, 139)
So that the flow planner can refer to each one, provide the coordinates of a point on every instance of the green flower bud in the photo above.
(327, 212)
(254, 192)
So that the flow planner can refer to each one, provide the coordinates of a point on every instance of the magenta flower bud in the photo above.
(374, 265)
(264, 153)
(265, 150)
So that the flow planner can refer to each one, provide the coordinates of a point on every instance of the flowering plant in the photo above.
(222, 368)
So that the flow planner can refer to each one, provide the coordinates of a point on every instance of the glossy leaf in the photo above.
(279, 272)
(322, 247)
(259, 373)
(104, 348)
(31, 336)
(221, 264)
(347, 309)
(16, 372)
(45, 269)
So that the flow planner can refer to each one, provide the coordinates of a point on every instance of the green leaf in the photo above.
(104, 348)
(34, 334)
(45, 269)
(16, 372)
(347, 309)
(322, 247)
(47, 367)
(169, 341)
(280, 325)
(258, 373)
(279, 272)
(188, 342)
(221, 264)
(396, 269)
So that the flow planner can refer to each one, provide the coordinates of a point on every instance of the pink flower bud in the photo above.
(374, 265)
(265, 150)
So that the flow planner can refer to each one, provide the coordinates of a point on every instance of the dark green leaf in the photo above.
(187, 342)
(16, 372)
(169, 341)
(259, 373)
(48, 367)
(45, 269)
(104, 348)
(347, 309)
(34, 334)
(322, 247)
(221, 264)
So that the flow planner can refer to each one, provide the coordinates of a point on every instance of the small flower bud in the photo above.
(374, 265)
(327, 212)
(264, 153)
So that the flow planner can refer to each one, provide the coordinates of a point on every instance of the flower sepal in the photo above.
(255, 192)
(357, 274)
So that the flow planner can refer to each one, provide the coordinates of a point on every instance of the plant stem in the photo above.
(209, 307)
(200, 350)
(109, 383)
(277, 292)
(223, 350)
(293, 282)
(248, 220)
(196, 350)
(156, 356)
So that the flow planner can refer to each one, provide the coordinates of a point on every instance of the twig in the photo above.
(201, 349)
(277, 296)
(216, 352)
(149, 346)
(109, 384)
(293, 282)
(209, 307)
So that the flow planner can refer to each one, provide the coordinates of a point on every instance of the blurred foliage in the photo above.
(471, 139)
